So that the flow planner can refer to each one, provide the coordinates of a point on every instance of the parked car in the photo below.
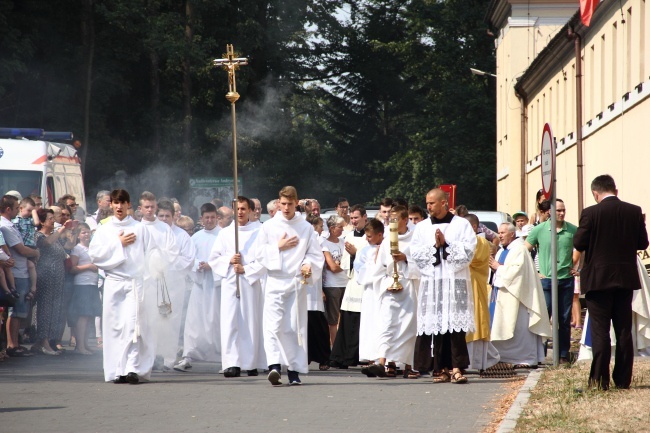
(492, 219)
(371, 212)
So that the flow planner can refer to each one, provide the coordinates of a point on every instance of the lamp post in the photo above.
(481, 73)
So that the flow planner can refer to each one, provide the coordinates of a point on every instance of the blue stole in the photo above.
(495, 290)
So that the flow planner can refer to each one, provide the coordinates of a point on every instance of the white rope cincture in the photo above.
(136, 328)
(296, 286)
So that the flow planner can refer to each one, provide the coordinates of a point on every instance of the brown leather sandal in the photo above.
(410, 374)
(442, 378)
(458, 377)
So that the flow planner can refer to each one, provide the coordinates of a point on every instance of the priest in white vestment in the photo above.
(242, 298)
(397, 320)
(640, 320)
(641, 313)
(202, 334)
(176, 278)
(118, 247)
(443, 247)
(156, 279)
(288, 248)
(318, 339)
(520, 315)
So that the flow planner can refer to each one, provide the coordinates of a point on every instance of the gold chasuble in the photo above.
(479, 269)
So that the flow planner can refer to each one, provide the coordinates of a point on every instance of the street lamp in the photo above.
(481, 73)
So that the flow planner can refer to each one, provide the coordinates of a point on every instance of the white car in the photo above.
(371, 212)
(492, 219)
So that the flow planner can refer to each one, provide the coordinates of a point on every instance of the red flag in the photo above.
(587, 8)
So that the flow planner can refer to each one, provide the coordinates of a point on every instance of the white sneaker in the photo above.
(184, 365)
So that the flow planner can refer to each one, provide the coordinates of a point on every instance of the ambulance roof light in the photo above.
(21, 132)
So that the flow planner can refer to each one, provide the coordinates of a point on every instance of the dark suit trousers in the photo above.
(603, 306)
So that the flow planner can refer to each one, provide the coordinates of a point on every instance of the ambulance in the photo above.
(32, 164)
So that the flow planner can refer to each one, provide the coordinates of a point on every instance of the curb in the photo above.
(510, 421)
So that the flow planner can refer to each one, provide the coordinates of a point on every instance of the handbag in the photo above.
(67, 264)
(163, 299)
(7, 299)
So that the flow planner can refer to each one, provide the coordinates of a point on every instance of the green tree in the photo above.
(357, 98)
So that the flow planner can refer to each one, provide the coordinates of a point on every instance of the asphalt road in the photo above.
(67, 394)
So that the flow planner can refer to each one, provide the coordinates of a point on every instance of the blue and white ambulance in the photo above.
(31, 164)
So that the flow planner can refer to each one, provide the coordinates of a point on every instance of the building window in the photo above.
(589, 109)
(559, 115)
(615, 84)
(628, 52)
(603, 99)
(642, 41)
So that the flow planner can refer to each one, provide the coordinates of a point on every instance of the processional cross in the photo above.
(231, 63)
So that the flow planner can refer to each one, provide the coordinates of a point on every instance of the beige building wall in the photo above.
(524, 30)
(616, 111)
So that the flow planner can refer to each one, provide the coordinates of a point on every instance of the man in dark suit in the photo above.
(610, 234)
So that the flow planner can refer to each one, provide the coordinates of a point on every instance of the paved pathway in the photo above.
(67, 394)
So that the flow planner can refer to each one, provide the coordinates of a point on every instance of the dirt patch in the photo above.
(502, 405)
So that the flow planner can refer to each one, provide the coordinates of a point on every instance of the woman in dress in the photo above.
(85, 303)
(50, 272)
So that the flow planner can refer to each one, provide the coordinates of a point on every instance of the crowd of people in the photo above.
(409, 292)
(43, 263)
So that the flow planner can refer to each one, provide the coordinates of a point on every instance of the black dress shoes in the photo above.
(252, 372)
(378, 370)
(120, 379)
(232, 372)
(133, 378)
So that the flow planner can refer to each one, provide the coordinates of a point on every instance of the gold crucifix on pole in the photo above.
(231, 63)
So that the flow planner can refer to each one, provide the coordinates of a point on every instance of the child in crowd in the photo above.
(26, 223)
(364, 267)
(84, 303)
(354, 334)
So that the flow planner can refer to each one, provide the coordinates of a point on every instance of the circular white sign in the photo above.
(548, 161)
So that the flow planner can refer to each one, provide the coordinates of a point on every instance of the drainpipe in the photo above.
(524, 157)
(577, 43)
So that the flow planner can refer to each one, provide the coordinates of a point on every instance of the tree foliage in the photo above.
(363, 98)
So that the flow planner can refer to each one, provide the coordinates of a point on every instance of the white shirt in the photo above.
(334, 279)
(87, 277)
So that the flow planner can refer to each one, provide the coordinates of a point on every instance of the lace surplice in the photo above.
(445, 301)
